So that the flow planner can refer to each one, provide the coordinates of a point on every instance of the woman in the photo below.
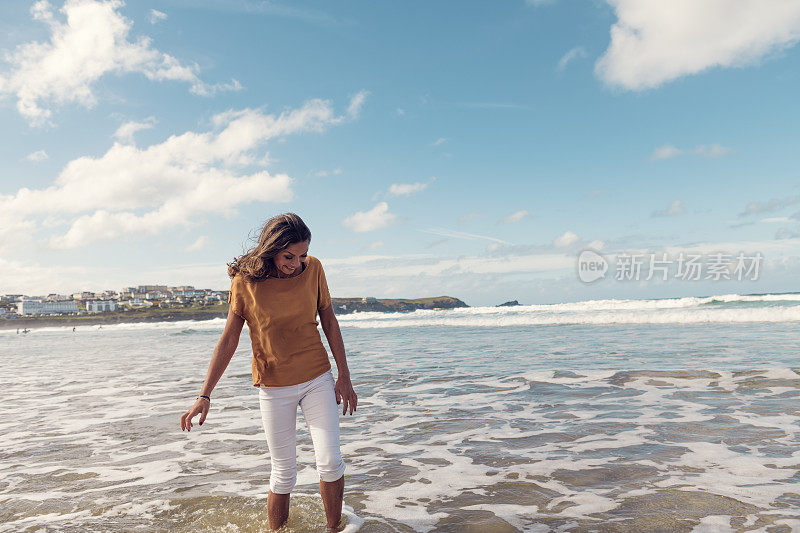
(278, 289)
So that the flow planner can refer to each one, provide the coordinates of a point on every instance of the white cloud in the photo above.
(374, 245)
(197, 245)
(665, 152)
(37, 156)
(157, 16)
(573, 54)
(712, 150)
(515, 216)
(654, 41)
(32, 278)
(92, 41)
(325, 173)
(400, 112)
(406, 189)
(439, 141)
(565, 239)
(675, 208)
(376, 218)
(15, 233)
(785, 233)
(406, 267)
(127, 130)
(669, 151)
(354, 260)
(771, 205)
(356, 103)
(139, 191)
(771, 248)
(443, 232)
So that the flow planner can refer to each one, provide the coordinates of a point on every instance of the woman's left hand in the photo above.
(344, 391)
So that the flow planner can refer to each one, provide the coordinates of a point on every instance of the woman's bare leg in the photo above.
(332, 493)
(277, 509)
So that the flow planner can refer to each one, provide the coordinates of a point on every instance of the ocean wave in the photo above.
(718, 309)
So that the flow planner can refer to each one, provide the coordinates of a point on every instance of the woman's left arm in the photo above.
(344, 388)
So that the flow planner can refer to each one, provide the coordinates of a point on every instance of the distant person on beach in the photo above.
(278, 289)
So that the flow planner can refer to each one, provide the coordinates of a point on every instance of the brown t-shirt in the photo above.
(281, 315)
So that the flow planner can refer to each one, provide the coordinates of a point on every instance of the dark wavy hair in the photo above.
(276, 234)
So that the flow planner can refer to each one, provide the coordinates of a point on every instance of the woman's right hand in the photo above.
(200, 407)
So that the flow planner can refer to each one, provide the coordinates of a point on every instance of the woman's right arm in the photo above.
(223, 352)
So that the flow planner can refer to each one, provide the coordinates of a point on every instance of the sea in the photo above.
(604, 415)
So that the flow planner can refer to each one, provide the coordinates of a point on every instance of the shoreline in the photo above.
(341, 306)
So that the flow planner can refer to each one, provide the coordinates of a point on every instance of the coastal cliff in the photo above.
(399, 305)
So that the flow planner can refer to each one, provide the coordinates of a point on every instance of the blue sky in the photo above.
(464, 148)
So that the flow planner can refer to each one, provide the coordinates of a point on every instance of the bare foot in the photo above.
(277, 509)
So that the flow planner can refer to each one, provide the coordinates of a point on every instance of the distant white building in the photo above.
(368, 300)
(151, 288)
(155, 295)
(189, 293)
(39, 307)
(137, 302)
(127, 292)
(98, 306)
(82, 295)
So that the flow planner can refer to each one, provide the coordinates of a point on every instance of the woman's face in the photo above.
(288, 260)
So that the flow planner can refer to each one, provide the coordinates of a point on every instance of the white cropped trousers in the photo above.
(317, 400)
